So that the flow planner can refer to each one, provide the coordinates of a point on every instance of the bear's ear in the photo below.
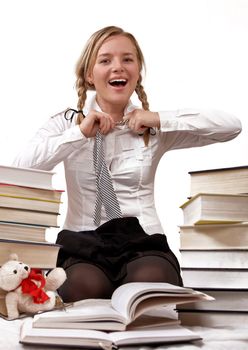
(13, 256)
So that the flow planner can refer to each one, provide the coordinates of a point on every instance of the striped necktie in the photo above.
(105, 193)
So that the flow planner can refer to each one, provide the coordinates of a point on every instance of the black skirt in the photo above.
(112, 245)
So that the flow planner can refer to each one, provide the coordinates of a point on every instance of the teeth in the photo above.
(117, 81)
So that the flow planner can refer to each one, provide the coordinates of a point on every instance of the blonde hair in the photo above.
(87, 60)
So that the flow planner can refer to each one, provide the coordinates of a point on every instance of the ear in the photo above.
(89, 78)
(13, 256)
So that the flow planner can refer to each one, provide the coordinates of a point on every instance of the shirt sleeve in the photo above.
(193, 128)
(52, 143)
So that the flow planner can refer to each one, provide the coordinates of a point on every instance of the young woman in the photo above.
(102, 250)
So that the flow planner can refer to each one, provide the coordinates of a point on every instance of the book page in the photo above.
(175, 333)
(72, 337)
(124, 296)
(147, 322)
(89, 310)
(155, 300)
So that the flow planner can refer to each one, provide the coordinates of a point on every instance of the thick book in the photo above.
(98, 314)
(15, 202)
(31, 217)
(26, 177)
(206, 208)
(22, 232)
(41, 255)
(219, 259)
(208, 318)
(3, 309)
(224, 300)
(128, 303)
(223, 180)
(89, 339)
(215, 278)
(31, 192)
(234, 236)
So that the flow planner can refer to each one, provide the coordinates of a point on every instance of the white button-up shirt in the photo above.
(132, 165)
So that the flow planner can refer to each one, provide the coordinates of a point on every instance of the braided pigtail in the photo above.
(81, 90)
(143, 98)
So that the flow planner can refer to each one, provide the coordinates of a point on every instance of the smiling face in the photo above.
(115, 72)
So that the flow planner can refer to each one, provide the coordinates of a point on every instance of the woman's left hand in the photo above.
(139, 120)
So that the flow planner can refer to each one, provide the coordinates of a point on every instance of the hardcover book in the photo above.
(41, 255)
(222, 180)
(206, 208)
(89, 339)
(128, 304)
(26, 177)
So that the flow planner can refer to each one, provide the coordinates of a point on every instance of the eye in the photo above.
(104, 61)
(128, 59)
(15, 271)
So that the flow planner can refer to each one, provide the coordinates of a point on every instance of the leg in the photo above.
(151, 268)
(85, 281)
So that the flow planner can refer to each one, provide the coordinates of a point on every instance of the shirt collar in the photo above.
(91, 104)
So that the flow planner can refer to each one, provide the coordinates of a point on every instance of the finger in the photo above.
(106, 124)
(141, 131)
(136, 125)
(131, 124)
(102, 125)
(128, 116)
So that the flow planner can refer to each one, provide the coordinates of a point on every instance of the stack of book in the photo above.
(29, 205)
(214, 246)
(138, 313)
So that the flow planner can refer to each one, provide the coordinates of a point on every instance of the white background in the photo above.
(196, 56)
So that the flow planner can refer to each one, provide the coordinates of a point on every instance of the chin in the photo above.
(119, 99)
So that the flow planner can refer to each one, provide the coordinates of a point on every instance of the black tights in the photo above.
(89, 281)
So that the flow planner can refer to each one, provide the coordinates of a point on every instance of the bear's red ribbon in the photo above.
(30, 287)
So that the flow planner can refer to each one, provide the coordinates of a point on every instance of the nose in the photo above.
(26, 268)
(117, 65)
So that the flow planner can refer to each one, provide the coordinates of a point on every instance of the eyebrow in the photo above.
(109, 54)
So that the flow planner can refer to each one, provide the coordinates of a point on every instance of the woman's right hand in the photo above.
(95, 121)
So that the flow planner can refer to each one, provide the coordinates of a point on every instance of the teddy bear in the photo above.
(28, 290)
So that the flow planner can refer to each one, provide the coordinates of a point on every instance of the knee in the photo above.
(154, 275)
(85, 281)
(152, 269)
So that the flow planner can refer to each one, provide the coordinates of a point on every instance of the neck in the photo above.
(115, 110)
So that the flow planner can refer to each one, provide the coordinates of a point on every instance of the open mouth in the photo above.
(118, 82)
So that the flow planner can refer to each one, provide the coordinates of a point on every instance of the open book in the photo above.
(82, 338)
(132, 306)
